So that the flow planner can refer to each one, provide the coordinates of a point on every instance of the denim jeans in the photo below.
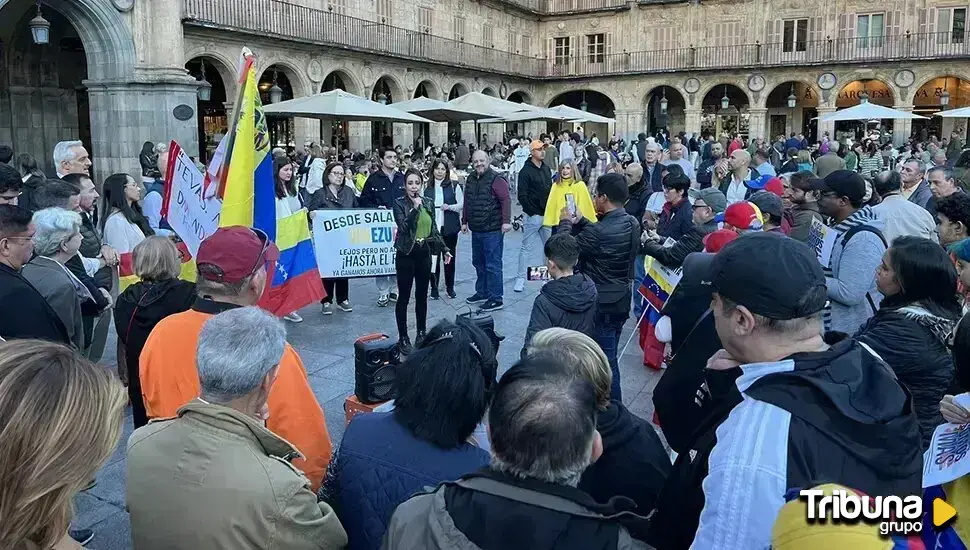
(607, 328)
(639, 302)
(534, 237)
(487, 248)
(385, 283)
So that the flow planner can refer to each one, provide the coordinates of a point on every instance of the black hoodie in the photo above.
(139, 308)
(634, 463)
(568, 302)
(851, 422)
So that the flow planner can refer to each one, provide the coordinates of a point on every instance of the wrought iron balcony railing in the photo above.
(566, 7)
(281, 19)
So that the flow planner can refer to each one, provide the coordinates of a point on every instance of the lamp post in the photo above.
(945, 96)
(40, 28)
(205, 87)
(792, 99)
(583, 106)
(275, 92)
(725, 100)
(663, 101)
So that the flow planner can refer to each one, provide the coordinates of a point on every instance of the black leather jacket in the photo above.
(406, 217)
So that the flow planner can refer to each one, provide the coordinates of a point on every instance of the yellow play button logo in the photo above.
(942, 512)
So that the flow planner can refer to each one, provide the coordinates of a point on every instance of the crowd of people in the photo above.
(817, 335)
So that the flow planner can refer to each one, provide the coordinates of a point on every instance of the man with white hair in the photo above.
(191, 478)
(70, 157)
(829, 162)
(532, 479)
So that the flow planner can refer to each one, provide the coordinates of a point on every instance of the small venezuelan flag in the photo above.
(249, 199)
(126, 270)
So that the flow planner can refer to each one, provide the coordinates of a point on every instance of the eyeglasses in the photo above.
(695, 206)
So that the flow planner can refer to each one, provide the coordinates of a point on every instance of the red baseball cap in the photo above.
(233, 253)
(743, 215)
(714, 242)
(775, 186)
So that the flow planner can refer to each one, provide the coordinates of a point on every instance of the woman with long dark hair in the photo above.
(911, 330)
(124, 225)
(870, 162)
(418, 239)
(336, 194)
(444, 192)
(288, 201)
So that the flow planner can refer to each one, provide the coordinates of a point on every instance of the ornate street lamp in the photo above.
(663, 101)
(40, 28)
(583, 106)
(792, 100)
(275, 92)
(725, 100)
(205, 88)
(945, 96)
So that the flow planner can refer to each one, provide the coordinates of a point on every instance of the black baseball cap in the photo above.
(771, 275)
(844, 183)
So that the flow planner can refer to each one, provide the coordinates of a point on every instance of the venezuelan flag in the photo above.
(126, 271)
(249, 199)
(656, 289)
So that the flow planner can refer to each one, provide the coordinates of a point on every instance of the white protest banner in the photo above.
(946, 458)
(822, 239)
(189, 209)
(354, 243)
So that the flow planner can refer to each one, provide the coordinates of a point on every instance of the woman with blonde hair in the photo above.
(60, 421)
(158, 294)
(568, 185)
(634, 463)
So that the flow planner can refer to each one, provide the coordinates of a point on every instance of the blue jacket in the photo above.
(379, 190)
(381, 464)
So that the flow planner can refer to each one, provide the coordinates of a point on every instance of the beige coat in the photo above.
(215, 478)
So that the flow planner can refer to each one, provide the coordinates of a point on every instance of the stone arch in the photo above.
(674, 119)
(597, 102)
(849, 78)
(520, 96)
(776, 81)
(457, 89)
(298, 79)
(220, 63)
(707, 87)
(951, 73)
(109, 46)
(489, 91)
(396, 88)
(351, 82)
(432, 89)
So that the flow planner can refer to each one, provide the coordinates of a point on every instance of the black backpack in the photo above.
(851, 233)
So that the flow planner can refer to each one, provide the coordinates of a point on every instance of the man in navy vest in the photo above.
(487, 212)
(153, 196)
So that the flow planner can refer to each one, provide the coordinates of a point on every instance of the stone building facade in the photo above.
(120, 72)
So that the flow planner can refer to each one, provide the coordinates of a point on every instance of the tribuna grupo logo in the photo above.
(893, 514)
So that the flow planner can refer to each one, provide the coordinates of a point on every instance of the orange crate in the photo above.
(353, 406)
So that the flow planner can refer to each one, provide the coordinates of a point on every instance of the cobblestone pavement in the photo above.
(326, 345)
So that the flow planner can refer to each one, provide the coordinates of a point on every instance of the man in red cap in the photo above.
(233, 265)
(743, 217)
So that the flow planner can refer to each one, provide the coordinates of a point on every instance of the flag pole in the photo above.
(636, 329)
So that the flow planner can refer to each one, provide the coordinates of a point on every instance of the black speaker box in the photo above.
(486, 322)
(376, 358)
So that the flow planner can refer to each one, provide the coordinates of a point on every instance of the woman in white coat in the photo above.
(124, 225)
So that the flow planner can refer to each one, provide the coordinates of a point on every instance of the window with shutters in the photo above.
(384, 11)
(488, 36)
(951, 25)
(458, 26)
(794, 35)
(870, 29)
(727, 33)
(596, 48)
(425, 17)
(337, 6)
(664, 38)
(510, 41)
(561, 51)
(526, 48)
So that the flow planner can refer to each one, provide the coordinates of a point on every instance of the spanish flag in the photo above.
(249, 199)
(126, 270)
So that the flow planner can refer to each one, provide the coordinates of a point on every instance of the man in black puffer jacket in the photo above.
(606, 253)
(568, 300)
(535, 181)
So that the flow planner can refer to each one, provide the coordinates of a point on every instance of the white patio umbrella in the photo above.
(439, 111)
(954, 113)
(867, 111)
(481, 103)
(339, 105)
(530, 115)
(579, 115)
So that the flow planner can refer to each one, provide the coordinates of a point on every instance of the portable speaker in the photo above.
(486, 322)
(376, 358)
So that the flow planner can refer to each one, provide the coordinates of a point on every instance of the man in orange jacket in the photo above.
(232, 270)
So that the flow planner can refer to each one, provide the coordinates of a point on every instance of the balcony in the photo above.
(565, 7)
(282, 20)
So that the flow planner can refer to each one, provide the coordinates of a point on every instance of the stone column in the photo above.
(306, 129)
(902, 128)
(126, 114)
(403, 134)
(692, 121)
(439, 133)
(468, 132)
(359, 136)
(757, 123)
(823, 126)
(326, 132)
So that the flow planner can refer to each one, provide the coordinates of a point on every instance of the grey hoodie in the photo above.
(850, 276)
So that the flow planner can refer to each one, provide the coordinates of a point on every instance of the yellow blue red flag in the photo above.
(249, 199)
